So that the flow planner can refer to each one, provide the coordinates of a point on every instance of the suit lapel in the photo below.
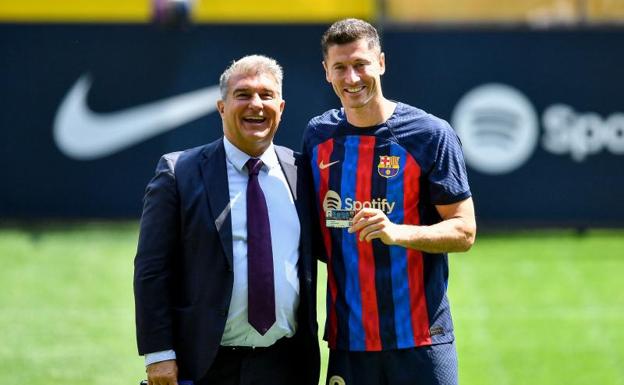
(287, 161)
(214, 175)
(289, 166)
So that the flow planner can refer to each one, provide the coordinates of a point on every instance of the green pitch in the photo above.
(533, 308)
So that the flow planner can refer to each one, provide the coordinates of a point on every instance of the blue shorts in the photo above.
(427, 365)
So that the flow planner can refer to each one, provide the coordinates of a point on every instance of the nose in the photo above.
(255, 101)
(352, 76)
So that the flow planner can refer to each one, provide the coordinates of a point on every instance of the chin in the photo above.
(258, 137)
(257, 131)
(354, 105)
(357, 102)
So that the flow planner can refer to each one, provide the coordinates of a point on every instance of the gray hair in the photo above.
(251, 64)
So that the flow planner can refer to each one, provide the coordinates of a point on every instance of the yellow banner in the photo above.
(289, 11)
(473, 10)
(605, 10)
(494, 11)
(138, 11)
(203, 11)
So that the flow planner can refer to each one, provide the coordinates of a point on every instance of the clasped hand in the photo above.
(374, 224)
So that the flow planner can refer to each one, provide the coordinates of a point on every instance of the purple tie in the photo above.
(260, 291)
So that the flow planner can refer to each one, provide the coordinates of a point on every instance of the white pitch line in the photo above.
(499, 372)
(589, 297)
(520, 312)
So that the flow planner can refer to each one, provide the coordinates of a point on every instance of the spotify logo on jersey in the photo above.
(498, 128)
(332, 201)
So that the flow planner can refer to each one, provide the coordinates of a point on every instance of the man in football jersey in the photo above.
(393, 200)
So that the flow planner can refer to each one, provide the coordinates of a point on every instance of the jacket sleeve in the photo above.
(158, 246)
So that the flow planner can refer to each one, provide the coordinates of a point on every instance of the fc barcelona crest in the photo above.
(388, 166)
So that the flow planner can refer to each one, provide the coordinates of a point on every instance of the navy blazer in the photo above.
(183, 267)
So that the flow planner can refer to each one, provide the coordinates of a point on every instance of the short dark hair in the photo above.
(347, 31)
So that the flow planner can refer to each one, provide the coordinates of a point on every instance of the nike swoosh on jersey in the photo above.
(323, 166)
(82, 134)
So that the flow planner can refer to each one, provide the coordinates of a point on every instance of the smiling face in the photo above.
(354, 70)
(251, 111)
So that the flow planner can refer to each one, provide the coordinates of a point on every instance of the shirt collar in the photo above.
(238, 158)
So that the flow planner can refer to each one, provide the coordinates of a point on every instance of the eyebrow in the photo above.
(248, 89)
(356, 60)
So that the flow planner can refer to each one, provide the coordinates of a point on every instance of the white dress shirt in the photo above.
(285, 233)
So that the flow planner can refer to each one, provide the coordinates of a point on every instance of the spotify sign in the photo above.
(500, 130)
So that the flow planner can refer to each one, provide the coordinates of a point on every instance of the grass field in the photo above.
(530, 308)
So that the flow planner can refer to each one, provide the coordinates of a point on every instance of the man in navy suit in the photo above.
(225, 275)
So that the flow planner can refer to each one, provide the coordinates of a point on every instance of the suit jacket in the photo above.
(183, 267)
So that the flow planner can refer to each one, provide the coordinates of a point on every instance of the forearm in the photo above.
(451, 235)
(157, 248)
(455, 233)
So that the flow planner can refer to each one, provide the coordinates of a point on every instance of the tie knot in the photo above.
(253, 166)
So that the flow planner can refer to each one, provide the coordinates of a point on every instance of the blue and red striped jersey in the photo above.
(383, 297)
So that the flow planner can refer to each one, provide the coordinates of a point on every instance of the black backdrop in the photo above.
(131, 65)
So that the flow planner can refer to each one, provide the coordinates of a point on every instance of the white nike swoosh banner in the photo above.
(82, 134)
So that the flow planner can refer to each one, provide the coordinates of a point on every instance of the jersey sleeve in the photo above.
(448, 179)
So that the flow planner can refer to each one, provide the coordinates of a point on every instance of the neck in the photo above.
(255, 150)
(370, 114)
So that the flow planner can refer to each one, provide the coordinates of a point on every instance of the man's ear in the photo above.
(221, 107)
(326, 71)
(382, 63)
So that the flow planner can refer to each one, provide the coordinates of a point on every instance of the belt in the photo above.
(241, 349)
(250, 349)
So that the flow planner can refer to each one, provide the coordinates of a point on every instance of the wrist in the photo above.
(406, 235)
(165, 355)
(399, 236)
